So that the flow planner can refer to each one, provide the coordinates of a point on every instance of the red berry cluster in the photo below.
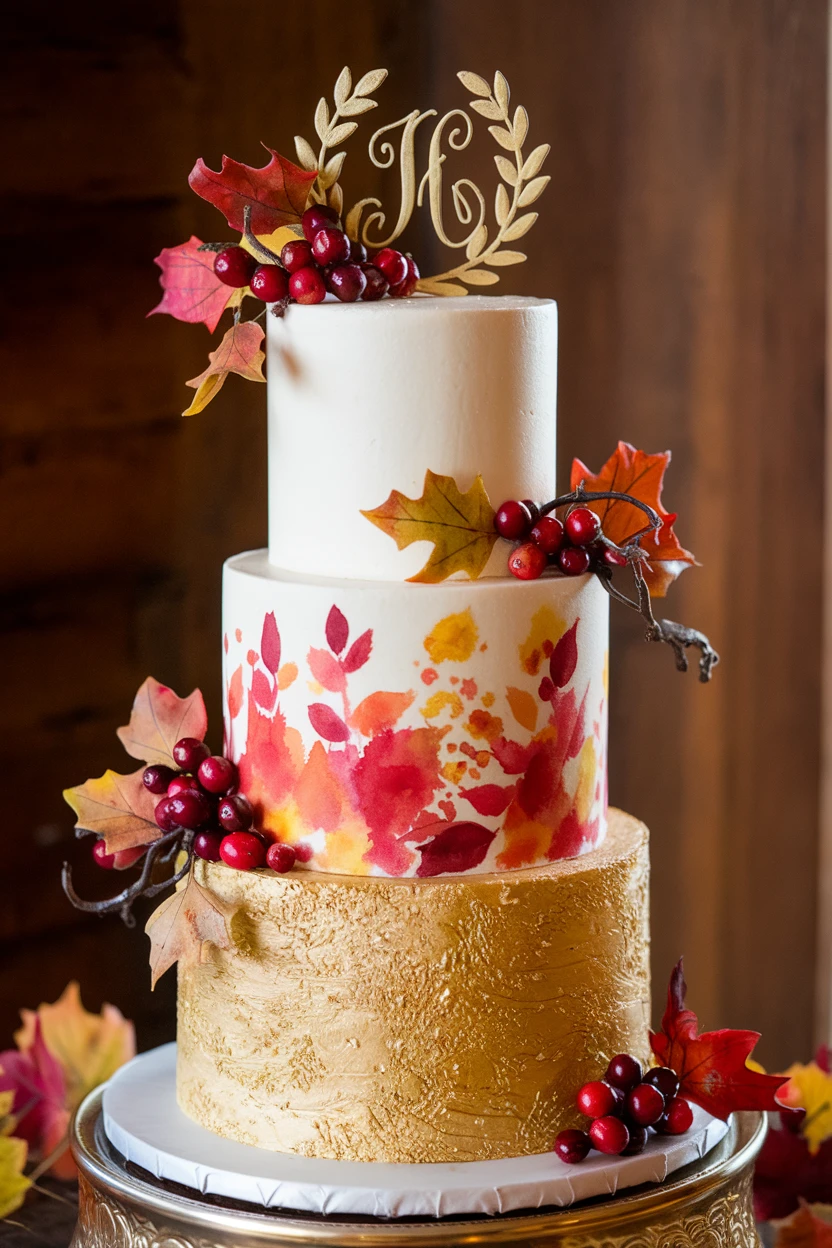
(570, 545)
(325, 259)
(201, 797)
(624, 1106)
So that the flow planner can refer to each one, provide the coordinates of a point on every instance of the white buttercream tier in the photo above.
(415, 730)
(364, 398)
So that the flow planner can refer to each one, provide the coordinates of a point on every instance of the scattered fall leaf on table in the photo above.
(13, 1152)
(36, 1080)
(117, 807)
(159, 719)
(810, 1087)
(712, 1067)
(809, 1227)
(239, 352)
(276, 192)
(192, 290)
(787, 1172)
(183, 924)
(89, 1047)
(628, 471)
(460, 526)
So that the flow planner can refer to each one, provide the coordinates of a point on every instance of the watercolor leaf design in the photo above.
(629, 471)
(459, 525)
(276, 192)
(239, 352)
(118, 808)
(159, 719)
(184, 924)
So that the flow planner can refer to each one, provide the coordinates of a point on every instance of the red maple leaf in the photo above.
(628, 471)
(276, 193)
(712, 1067)
(193, 292)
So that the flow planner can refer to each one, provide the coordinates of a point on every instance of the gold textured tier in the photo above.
(447, 1019)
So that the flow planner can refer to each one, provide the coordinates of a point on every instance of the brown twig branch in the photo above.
(259, 249)
(159, 851)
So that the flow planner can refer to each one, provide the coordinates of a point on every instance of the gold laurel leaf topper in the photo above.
(486, 246)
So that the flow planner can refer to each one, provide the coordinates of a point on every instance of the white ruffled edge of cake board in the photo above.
(144, 1123)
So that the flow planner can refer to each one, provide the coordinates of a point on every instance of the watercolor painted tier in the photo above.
(416, 1020)
(418, 730)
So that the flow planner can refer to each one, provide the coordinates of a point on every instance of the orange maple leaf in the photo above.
(119, 808)
(239, 352)
(628, 471)
(805, 1229)
(712, 1067)
(181, 927)
(159, 719)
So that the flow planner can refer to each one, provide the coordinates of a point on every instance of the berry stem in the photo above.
(142, 887)
(265, 253)
(582, 495)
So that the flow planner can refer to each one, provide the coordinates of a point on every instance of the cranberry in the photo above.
(392, 264)
(125, 858)
(792, 1119)
(331, 246)
(572, 1146)
(347, 282)
(609, 1135)
(513, 520)
(377, 284)
(582, 526)
(677, 1118)
(281, 857)
(101, 857)
(623, 1072)
(318, 217)
(408, 285)
(207, 845)
(665, 1079)
(163, 814)
(217, 774)
(645, 1104)
(190, 809)
(235, 813)
(573, 560)
(612, 557)
(188, 753)
(182, 784)
(157, 777)
(596, 1099)
(620, 1107)
(242, 850)
(269, 283)
(307, 285)
(533, 509)
(358, 252)
(548, 534)
(638, 1139)
(304, 853)
(527, 562)
(234, 266)
(296, 255)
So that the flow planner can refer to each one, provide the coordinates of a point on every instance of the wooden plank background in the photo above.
(684, 237)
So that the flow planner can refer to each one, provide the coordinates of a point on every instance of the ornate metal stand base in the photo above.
(706, 1205)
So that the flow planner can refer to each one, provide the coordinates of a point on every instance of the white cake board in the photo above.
(144, 1123)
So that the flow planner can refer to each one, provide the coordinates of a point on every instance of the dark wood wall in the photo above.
(684, 236)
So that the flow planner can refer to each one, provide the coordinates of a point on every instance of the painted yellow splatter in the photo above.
(484, 726)
(488, 700)
(587, 770)
(546, 625)
(441, 700)
(453, 772)
(453, 637)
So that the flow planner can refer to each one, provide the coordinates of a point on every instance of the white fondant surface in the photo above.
(363, 398)
(144, 1123)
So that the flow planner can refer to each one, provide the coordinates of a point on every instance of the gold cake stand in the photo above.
(705, 1205)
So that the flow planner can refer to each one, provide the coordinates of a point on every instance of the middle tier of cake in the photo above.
(394, 729)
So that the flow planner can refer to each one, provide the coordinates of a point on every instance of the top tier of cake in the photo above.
(365, 398)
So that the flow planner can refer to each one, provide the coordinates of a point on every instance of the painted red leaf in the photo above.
(264, 694)
(337, 630)
(489, 799)
(270, 644)
(359, 652)
(276, 193)
(459, 847)
(564, 658)
(712, 1066)
(327, 670)
(512, 757)
(192, 290)
(327, 724)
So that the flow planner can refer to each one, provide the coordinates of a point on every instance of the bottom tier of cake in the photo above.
(448, 1019)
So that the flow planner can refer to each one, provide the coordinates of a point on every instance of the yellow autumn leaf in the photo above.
(89, 1047)
(239, 352)
(13, 1184)
(810, 1088)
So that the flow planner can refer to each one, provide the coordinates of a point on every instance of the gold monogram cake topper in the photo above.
(521, 183)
